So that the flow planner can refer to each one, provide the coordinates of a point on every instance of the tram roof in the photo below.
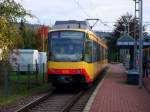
(81, 30)
(72, 24)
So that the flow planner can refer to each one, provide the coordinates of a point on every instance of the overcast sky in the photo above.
(48, 11)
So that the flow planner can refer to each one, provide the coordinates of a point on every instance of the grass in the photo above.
(20, 86)
(24, 77)
(15, 94)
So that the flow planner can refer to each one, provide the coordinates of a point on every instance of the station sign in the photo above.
(131, 43)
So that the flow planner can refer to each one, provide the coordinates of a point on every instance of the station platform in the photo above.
(113, 94)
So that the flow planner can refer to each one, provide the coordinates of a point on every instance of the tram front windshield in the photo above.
(66, 46)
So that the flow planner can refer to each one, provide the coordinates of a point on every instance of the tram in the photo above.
(75, 54)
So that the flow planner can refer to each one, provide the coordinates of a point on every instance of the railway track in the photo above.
(61, 102)
(56, 102)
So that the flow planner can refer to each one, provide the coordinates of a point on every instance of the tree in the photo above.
(33, 36)
(10, 13)
(42, 38)
(8, 36)
(29, 38)
(123, 23)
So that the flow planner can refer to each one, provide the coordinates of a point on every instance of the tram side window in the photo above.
(88, 51)
(106, 55)
(149, 53)
(95, 57)
(98, 52)
(101, 53)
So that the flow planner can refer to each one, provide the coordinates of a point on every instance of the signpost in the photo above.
(43, 33)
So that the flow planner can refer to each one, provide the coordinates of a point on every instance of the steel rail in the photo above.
(34, 102)
(70, 104)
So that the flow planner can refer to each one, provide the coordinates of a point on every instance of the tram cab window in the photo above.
(66, 46)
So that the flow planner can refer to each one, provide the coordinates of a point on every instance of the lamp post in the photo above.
(141, 43)
(139, 22)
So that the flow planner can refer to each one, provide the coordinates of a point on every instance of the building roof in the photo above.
(125, 38)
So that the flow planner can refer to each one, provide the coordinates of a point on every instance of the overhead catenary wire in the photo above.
(81, 8)
(104, 23)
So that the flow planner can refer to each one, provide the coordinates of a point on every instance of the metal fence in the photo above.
(21, 78)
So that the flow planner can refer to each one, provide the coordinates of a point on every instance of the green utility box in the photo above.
(132, 77)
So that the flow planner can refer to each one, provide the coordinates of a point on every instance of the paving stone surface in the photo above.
(115, 95)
